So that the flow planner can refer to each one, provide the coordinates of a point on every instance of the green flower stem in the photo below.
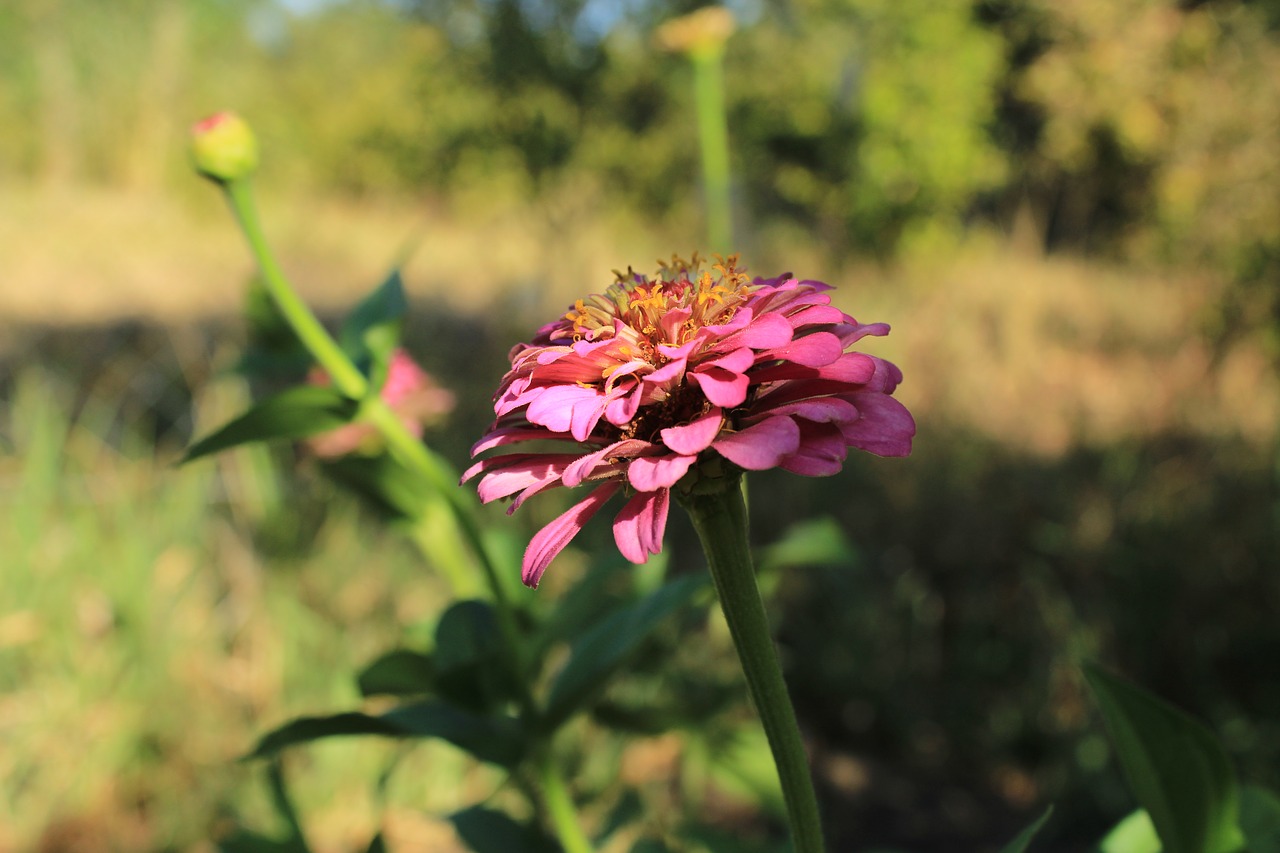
(713, 136)
(559, 805)
(721, 521)
(348, 379)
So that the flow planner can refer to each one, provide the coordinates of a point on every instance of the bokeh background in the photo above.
(1069, 212)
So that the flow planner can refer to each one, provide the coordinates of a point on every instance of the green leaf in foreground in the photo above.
(1260, 819)
(607, 645)
(401, 672)
(292, 414)
(496, 740)
(1134, 834)
(489, 831)
(1176, 768)
(1023, 839)
(469, 657)
(372, 329)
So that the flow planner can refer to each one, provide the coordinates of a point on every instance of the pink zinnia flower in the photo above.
(652, 381)
(409, 391)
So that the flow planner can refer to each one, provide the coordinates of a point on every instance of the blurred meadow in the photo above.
(1068, 212)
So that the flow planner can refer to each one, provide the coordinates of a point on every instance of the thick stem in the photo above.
(559, 804)
(721, 521)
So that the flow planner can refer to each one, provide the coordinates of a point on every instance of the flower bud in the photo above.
(223, 148)
(697, 34)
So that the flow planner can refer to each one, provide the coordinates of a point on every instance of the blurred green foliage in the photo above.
(1146, 129)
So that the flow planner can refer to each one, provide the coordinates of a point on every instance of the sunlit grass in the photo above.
(145, 642)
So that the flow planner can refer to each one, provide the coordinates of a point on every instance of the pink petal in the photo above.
(885, 427)
(651, 473)
(853, 368)
(568, 408)
(620, 411)
(886, 376)
(639, 526)
(856, 331)
(814, 350)
(821, 410)
(765, 332)
(696, 436)
(584, 466)
(822, 451)
(721, 387)
(817, 315)
(761, 446)
(551, 540)
(511, 435)
(522, 473)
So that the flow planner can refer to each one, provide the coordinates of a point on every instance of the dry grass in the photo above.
(1042, 353)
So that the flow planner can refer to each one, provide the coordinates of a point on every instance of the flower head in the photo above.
(657, 383)
(409, 391)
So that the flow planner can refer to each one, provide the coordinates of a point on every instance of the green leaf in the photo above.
(1023, 840)
(819, 542)
(742, 767)
(394, 491)
(606, 646)
(1134, 834)
(398, 673)
(292, 414)
(1176, 768)
(372, 329)
(716, 840)
(650, 845)
(496, 740)
(489, 831)
(377, 845)
(1260, 819)
(626, 811)
(470, 670)
(244, 841)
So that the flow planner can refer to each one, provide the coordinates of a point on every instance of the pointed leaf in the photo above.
(377, 845)
(1023, 840)
(496, 740)
(489, 831)
(292, 414)
(398, 673)
(1134, 834)
(818, 542)
(470, 670)
(372, 329)
(244, 841)
(606, 646)
(393, 491)
(1177, 770)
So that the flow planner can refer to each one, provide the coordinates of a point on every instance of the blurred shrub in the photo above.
(1141, 128)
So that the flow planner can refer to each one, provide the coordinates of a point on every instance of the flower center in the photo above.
(667, 311)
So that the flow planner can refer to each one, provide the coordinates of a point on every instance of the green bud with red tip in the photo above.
(223, 148)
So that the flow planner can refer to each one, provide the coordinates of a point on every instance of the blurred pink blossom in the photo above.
(409, 391)
(648, 384)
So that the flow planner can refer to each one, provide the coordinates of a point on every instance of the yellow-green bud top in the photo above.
(223, 148)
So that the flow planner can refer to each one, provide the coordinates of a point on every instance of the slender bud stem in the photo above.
(348, 379)
(721, 521)
(713, 136)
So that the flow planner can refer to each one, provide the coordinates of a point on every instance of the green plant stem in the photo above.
(713, 137)
(560, 809)
(348, 379)
(721, 521)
